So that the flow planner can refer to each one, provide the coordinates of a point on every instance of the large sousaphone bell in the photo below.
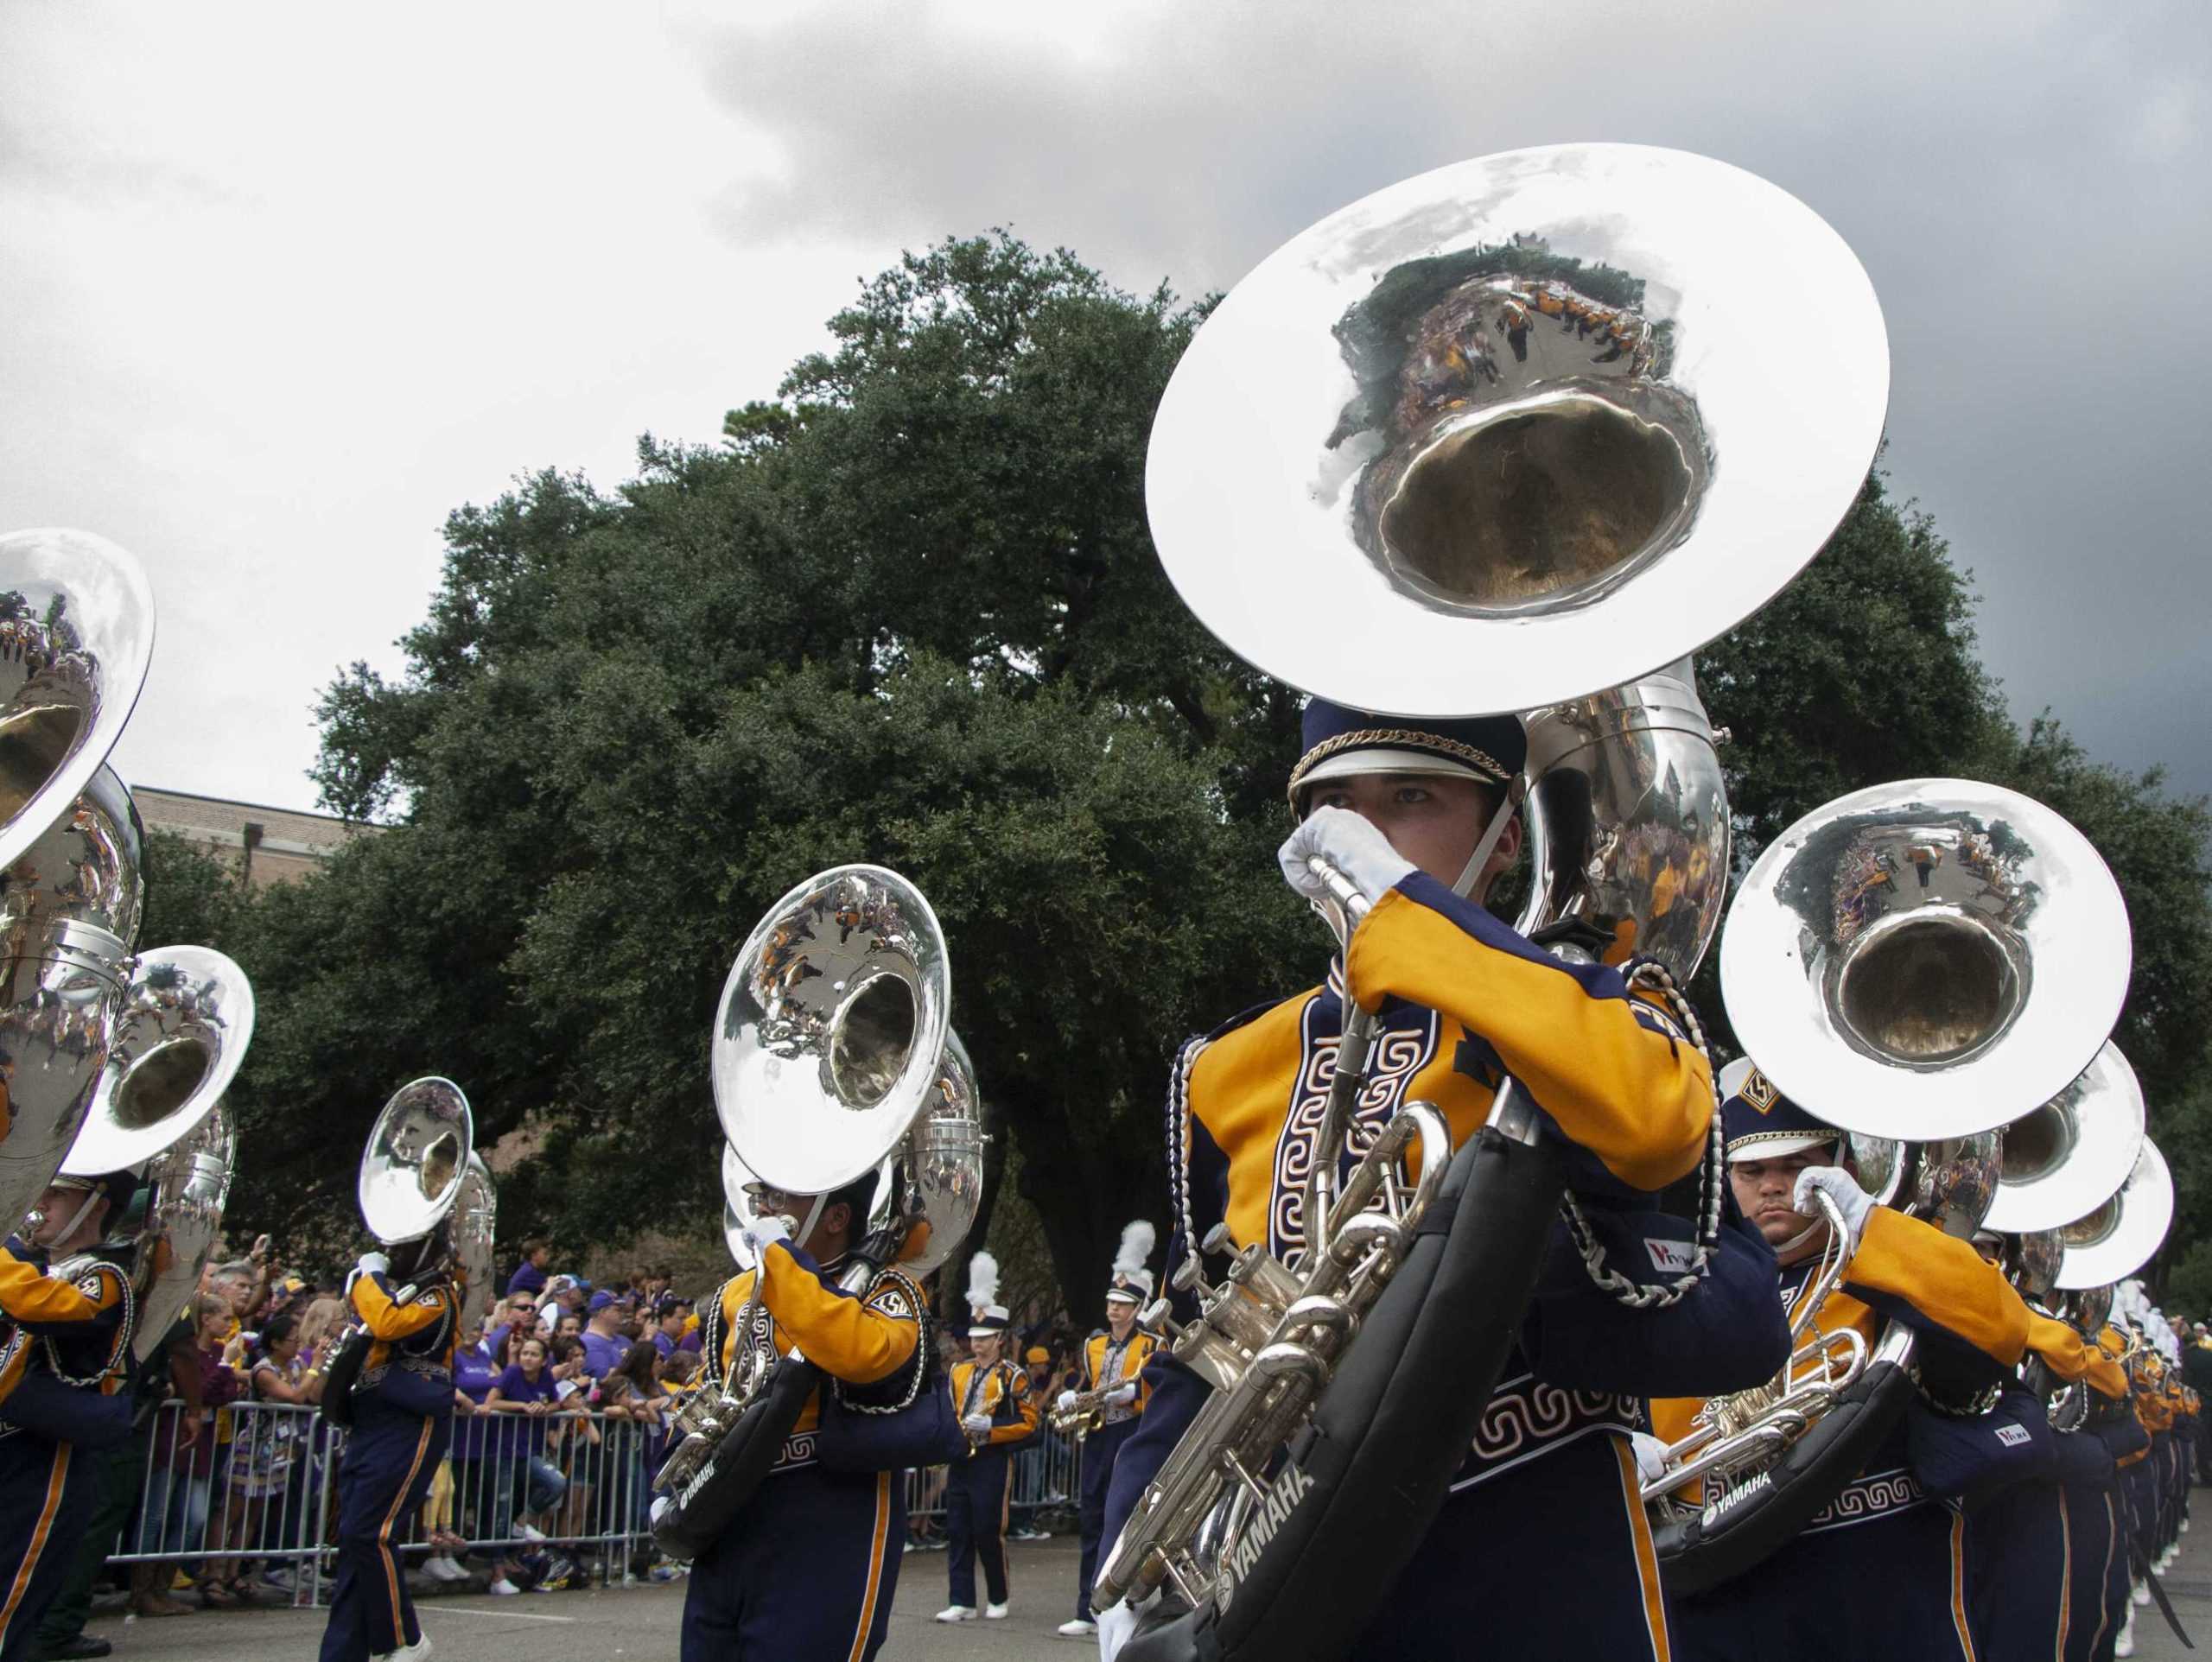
(1518, 434)
(2119, 1236)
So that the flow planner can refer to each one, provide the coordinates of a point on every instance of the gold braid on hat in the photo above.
(1401, 739)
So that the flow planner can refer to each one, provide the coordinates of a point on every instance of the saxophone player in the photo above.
(1401, 807)
(1885, 1529)
(991, 1396)
(809, 1567)
(1114, 1360)
(66, 1360)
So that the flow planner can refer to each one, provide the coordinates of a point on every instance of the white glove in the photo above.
(1116, 1627)
(766, 1231)
(1065, 1401)
(1650, 1455)
(1122, 1393)
(977, 1425)
(373, 1264)
(1854, 1202)
(1349, 843)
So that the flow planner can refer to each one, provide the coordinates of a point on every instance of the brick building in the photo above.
(272, 845)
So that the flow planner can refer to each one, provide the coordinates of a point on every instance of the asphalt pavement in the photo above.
(631, 1622)
(641, 1621)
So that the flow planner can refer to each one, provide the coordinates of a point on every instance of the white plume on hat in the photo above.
(1129, 1270)
(1137, 1240)
(983, 1281)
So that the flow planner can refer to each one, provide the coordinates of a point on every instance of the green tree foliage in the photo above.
(908, 612)
(193, 899)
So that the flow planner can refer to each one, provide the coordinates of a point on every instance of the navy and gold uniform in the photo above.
(1463, 1004)
(1884, 1529)
(809, 1567)
(74, 1321)
(978, 1491)
(1108, 1364)
(403, 1421)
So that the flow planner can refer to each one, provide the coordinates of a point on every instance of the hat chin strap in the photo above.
(92, 1199)
(1486, 844)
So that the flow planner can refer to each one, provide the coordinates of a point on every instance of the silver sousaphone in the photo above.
(1917, 964)
(2118, 1237)
(421, 1175)
(1518, 434)
(832, 1058)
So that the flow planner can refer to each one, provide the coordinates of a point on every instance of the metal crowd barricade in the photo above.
(1047, 1477)
(251, 1490)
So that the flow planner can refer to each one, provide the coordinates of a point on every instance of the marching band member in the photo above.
(70, 1350)
(408, 1306)
(1885, 1529)
(1112, 1360)
(1400, 807)
(991, 1396)
(2038, 1544)
(809, 1567)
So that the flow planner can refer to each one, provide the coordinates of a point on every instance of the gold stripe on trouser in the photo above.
(2065, 1578)
(1006, 1516)
(40, 1533)
(383, 1535)
(879, 1545)
(1959, 1584)
(1647, 1555)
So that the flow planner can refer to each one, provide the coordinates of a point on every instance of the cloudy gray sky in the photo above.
(280, 287)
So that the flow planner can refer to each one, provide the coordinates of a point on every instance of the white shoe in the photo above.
(1081, 1627)
(995, 1612)
(525, 1532)
(418, 1651)
(2124, 1645)
(957, 1612)
(503, 1588)
(445, 1567)
(2142, 1595)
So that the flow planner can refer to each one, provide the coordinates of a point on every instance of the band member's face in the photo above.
(987, 1349)
(1121, 1316)
(1763, 1188)
(1433, 820)
(56, 1207)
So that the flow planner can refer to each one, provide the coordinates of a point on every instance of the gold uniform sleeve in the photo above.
(1944, 1280)
(845, 1337)
(1634, 1095)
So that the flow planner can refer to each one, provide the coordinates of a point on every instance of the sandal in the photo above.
(219, 1594)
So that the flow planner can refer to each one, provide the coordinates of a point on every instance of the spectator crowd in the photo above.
(562, 1397)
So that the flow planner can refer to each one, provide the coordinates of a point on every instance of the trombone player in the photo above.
(1401, 807)
(1884, 1530)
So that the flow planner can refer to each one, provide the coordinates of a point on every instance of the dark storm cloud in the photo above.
(2026, 185)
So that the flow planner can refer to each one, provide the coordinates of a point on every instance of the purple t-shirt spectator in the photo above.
(603, 1354)
(663, 1344)
(472, 1375)
(527, 1277)
(513, 1386)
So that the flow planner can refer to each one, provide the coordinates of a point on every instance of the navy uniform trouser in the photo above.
(2141, 1482)
(2021, 1596)
(384, 1477)
(1099, 1449)
(47, 1491)
(2096, 1554)
(1550, 1559)
(805, 1574)
(975, 1525)
(1892, 1588)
